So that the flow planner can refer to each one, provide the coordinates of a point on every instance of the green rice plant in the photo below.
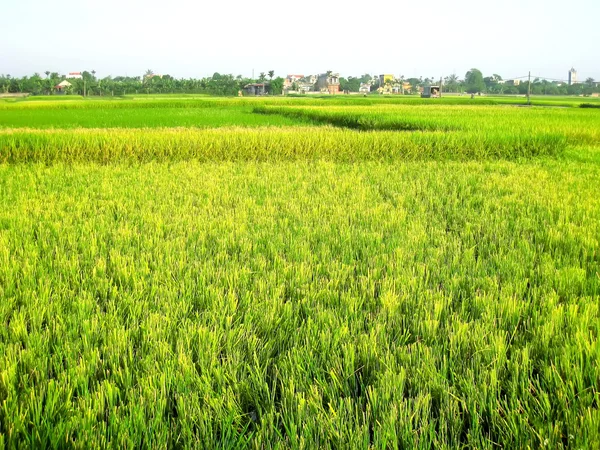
(578, 126)
(138, 117)
(300, 304)
(402, 273)
(51, 103)
(264, 144)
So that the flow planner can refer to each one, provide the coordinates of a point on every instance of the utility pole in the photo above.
(84, 87)
(529, 89)
(441, 87)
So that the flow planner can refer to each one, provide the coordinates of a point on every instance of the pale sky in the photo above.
(194, 38)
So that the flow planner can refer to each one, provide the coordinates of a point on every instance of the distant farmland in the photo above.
(299, 273)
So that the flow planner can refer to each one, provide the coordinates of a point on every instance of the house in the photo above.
(328, 83)
(364, 88)
(385, 79)
(75, 75)
(390, 85)
(512, 82)
(290, 80)
(62, 87)
(304, 86)
(255, 89)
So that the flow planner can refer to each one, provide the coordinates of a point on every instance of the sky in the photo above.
(195, 38)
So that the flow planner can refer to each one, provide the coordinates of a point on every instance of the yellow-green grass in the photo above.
(266, 144)
(300, 305)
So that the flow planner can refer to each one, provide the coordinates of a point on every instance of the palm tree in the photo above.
(451, 82)
(262, 76)
(271, 73)
(47, 72)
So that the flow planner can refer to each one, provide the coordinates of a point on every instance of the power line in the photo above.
(540, 77)
(516, 78)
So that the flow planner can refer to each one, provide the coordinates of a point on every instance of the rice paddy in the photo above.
(299, 273)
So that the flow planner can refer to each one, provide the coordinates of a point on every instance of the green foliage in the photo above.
(276, 86)
(352, 84)
(474, 81)
(452, 83)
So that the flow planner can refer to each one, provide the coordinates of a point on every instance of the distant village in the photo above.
(327, 83)
(389, 84)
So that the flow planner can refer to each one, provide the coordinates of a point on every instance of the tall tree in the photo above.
(474, 81)
(271, 73)
(276, 86)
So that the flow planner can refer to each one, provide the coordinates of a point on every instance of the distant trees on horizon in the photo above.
(228, 84)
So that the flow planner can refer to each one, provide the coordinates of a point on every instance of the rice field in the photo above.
(299, 273)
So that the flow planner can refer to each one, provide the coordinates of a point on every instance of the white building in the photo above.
(364, 88)
(572, 76)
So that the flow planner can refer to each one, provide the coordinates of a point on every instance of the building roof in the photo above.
(64, 83)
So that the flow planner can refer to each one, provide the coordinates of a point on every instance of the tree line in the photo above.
(229, 85)
(149, 83)
(474, 83)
